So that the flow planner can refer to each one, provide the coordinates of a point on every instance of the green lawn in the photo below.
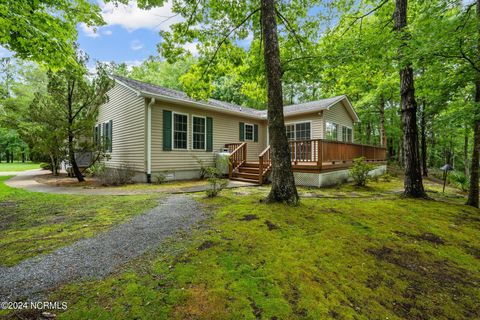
(33, 223)
(18, 166)
(343, 253)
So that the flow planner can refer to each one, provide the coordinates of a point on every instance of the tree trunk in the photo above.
(465, 151)
(383, 132)
(71, 150)
(473, 192)
(413, 175)
(283, 183)
(369, 132)
(423, 129)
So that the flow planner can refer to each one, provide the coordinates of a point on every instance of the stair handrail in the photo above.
(237, 158)
(264, 155)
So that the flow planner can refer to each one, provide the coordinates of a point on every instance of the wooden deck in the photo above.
(310, 156)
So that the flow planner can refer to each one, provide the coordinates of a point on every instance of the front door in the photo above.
(300, 132)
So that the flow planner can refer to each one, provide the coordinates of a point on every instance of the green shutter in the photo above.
(110, 135)
(209, 134)
(242, 131)
(255, 133)
(167, 130)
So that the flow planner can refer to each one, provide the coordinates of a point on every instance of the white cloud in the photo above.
(192, 48)
(136, 45)
(107, 32)
(131, 17)
(89, 31)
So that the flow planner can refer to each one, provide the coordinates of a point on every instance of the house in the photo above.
(156, 129)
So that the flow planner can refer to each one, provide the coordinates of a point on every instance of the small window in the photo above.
(249, 132)
(346, 134)
(199, 133)
(180, 131)
(290, 129)
(331, 131)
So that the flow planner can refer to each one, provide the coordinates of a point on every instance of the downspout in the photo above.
(149, 140)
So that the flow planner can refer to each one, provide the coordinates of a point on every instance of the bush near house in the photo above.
(359, 171)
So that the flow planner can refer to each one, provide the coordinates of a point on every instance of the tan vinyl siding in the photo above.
(127, 112)
(314, 118)
(225, 130)
(339, 115)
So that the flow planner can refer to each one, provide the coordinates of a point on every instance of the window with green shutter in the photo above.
(255, 133)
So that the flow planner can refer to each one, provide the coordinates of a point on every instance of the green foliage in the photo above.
(45, 30)
(46, 166)
(359, 171)
(35, 223)
(215, 181)
(329, 257)
(459, 180)
(160, 177)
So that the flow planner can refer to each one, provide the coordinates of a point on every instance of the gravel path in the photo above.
(26, 180)
(98, 256)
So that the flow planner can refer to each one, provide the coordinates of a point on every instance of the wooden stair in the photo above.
(247, 172)
(242, 170)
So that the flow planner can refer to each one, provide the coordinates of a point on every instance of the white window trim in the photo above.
(245, 132)
(342, 134)
(205, 133)
(173, 130)
(338, 125)
(295, 128)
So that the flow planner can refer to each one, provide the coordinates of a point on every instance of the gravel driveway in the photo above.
(98, 256)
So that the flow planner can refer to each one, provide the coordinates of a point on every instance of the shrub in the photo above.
(160, 177)
(359, 171)
(386, 177)
(459, 180)
(120, 175)
(46, 166)
(203, 167)
(216, 183)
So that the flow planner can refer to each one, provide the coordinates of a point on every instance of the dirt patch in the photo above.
(63, 180)
(271, 226)
(256, 310)
(5, 204)
(426, 236)
(428, 278)
(249, 217)
(205, 245)
(374, 280)
(471, 250)
(293, 299)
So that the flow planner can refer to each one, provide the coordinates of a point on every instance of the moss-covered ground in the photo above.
(33, 223)
(343, 253)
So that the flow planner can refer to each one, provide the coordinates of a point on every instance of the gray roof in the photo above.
(151, 89)
(147, 89)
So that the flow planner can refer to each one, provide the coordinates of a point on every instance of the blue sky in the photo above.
(130, 35)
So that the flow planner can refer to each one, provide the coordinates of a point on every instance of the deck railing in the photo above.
(321, 151)
(264, 164)
(238, 156)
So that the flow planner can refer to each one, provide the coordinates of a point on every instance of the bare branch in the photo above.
(290, 29)
(364, 16)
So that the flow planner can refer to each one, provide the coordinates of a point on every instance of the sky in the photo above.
(130, 35)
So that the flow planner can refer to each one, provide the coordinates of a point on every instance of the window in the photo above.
(331, 131)
(180, 131)
(249, 132)
(298, 131)
(302, 131)
(290, 128)
(199, 133)
(346, 134)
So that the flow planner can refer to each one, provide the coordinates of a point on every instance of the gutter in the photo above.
(149, 140)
